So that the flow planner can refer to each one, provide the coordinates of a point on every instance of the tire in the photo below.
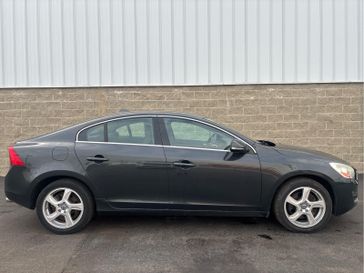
(65, 206)
(295, 214)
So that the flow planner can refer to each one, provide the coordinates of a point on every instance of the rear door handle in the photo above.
(184, 164)
(97, 158)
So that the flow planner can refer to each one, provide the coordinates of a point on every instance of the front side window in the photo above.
(131, 130)
(188, 133)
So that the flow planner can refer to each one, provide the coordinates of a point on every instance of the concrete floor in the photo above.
(178, 244)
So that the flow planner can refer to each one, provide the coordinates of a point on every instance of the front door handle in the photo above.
(97, 158)
(185, 164)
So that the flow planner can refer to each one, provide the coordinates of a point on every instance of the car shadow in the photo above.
(229, 224)
(147, 222)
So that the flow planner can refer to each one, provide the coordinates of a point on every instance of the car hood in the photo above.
(299, 152)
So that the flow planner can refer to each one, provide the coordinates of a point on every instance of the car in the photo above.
(170, 163)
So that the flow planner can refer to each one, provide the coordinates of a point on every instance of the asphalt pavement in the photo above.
(154, 244)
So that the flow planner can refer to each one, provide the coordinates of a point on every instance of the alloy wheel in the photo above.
(63, 208)
(304, 207)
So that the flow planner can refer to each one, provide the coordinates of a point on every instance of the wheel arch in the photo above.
(41, 182)
(318, 177)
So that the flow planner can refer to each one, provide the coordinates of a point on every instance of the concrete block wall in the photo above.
(326, 117)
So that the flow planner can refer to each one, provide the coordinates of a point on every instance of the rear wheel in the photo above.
(65, 206)
(303, 205)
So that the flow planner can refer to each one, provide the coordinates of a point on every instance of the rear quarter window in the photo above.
(95, 133)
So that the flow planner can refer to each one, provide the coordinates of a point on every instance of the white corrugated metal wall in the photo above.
(179, 42)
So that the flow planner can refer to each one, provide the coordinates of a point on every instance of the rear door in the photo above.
(205, 174)
(124, 159)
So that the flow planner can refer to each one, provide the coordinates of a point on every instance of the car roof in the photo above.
(145, 113)
(155, 113)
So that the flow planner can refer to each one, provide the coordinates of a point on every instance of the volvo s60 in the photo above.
(168, 163)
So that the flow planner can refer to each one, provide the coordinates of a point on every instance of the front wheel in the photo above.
(65, 206)
(303, 205)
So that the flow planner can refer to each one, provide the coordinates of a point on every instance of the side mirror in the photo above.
(237, 147)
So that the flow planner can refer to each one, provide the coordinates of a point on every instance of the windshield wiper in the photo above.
(266, 142)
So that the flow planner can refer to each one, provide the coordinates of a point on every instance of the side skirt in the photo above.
(103, 207)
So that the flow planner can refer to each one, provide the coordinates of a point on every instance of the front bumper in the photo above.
(346, 196)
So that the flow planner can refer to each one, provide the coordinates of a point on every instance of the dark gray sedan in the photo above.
(168, 163)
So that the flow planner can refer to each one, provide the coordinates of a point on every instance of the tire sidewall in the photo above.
(288, 188)
(81, 190)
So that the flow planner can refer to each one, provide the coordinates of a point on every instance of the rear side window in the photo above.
(131, 130)
(95, 133)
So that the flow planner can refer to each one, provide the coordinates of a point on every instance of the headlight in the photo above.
(344, 170)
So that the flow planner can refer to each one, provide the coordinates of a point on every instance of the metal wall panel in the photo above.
(179, 42)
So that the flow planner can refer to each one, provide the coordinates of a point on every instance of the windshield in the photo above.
(234, 132)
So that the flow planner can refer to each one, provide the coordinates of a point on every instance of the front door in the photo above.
(205, 174)
(123, 160)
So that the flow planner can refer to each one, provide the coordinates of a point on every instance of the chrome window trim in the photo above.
(152, 145)
(118, 143)
(195, 148)
(156, 145)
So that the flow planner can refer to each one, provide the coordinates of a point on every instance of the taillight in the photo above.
(14, 158)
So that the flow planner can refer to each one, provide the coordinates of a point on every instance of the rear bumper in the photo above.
(21, 200)
(18, 188)
(346, 197)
